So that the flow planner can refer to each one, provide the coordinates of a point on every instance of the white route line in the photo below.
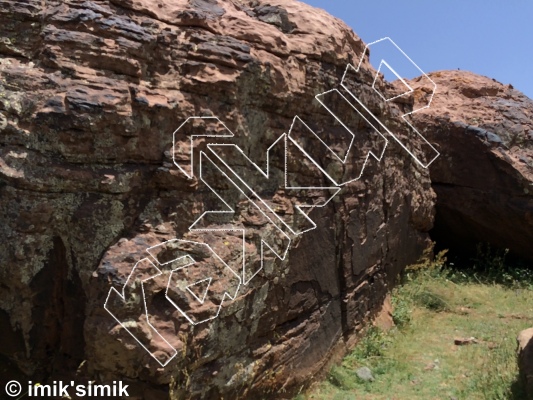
(122, 296)
(266, 174)
(231, 210)
(224, 296)
(252, 197)
(201, 300)
(377, 157)
(190, 176)
(383, 62)
(343, 84)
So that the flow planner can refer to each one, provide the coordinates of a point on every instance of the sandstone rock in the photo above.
(484, 176)
(525, 358)
(91, 93)
(465, 341)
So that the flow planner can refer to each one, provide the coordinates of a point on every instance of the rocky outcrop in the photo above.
(525, 357)
(91, 93)
(484, 177)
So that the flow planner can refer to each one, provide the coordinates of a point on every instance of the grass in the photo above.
(418, 359)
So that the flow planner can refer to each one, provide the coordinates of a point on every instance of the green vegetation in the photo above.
(434, 305)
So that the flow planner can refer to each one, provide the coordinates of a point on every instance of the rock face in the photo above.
(484, 177)
(91, 93)
(525, 358)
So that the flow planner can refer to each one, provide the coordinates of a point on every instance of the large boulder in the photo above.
(94, 187)
(484, 176)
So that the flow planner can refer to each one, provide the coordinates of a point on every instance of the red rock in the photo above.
(484, 177)
(90, 95)
(525, 356)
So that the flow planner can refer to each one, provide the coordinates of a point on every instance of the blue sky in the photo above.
(490, 37)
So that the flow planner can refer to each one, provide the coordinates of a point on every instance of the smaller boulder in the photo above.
(365, 374)
(525, 360)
